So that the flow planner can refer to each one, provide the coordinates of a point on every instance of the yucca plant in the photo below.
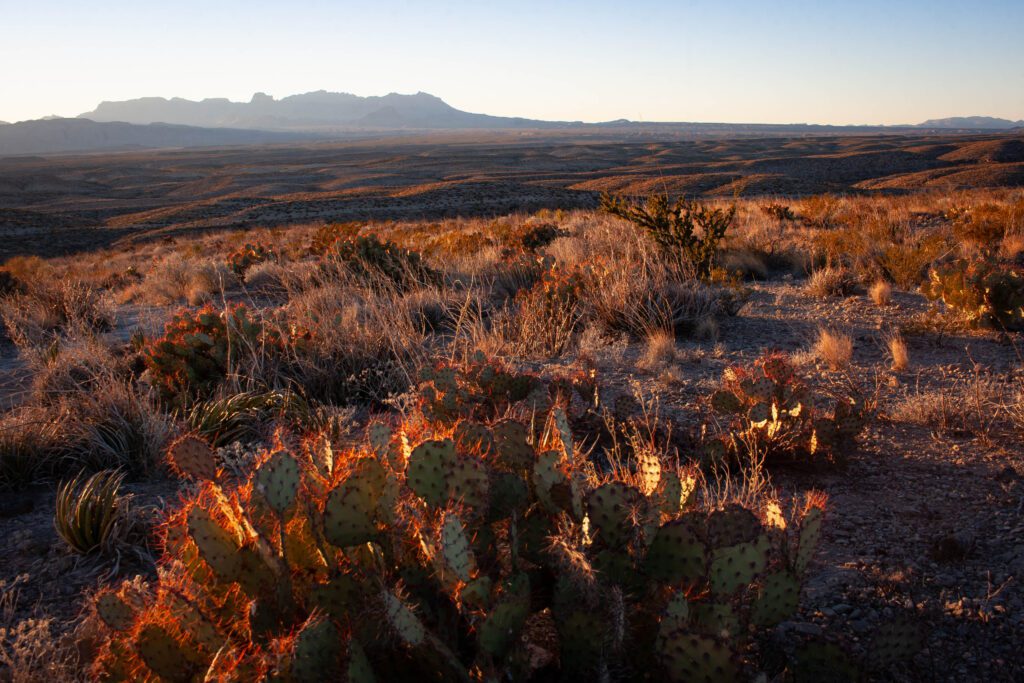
(89, 509)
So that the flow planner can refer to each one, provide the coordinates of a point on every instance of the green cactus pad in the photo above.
(677, 553)
(648, 471)
(401, 619)
(358, 669)
(216, 544)
(349, 515)
(694, 658)
(456, 554)
(340, 596)
(895, 641)
(610, 508)
(379, 435)
(509, 494)
(114, 611)
(316, 652)
(582, 635)
(807, 542)
(737, 566)
(777, 599)
(277, 480)
(731, 526)
(468, 483)
(716, 619)
(561, 421)
(726, 402)
(201, 630)
(760, 390)
(511, 448)
(547, 475)
(192, 457)
(501, 629)
(477, 593)
(759, 414)
(473, 436)
(165, 656)
(427, 470)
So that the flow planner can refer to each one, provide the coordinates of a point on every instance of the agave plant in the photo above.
(89, 510)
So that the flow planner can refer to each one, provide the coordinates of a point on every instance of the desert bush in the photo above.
(9, 284)
(834, 348)
(238, 416)
(31, 445)
(898, 352)
(268, 278)
(468, 540)
(771, 413)
(687, 233)
(34, 650)
(373, 260)
(983, 226)
(830, 281)
(822, 210)
(179, 279)
(985, 292)
(778, 211)
(90, 511)
(548, 315)
(49, 310)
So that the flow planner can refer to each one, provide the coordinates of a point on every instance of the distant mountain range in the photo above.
(320, 110)
(159, 122)
(973, 123)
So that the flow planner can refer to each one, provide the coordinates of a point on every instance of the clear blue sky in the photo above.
(682, 60)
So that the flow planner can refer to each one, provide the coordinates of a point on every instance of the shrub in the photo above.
(779, 212)
(373, 260)
(468, 541)
(771, 413)
(880, 292)
(830, 281)
(687, 233)
(987, 293)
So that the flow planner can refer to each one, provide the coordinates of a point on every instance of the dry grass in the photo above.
(181, 279)
(898, 352)
(880, 293)
(834, 348)
(830, 281)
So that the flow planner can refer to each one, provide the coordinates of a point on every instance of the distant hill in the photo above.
(320, 110)
(81, 135)
(972, 122)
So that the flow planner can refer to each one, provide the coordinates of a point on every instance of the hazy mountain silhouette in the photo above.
(320, 110)
(972, 122)
(79, 135)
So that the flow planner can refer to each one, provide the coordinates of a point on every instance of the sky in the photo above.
(772, 61)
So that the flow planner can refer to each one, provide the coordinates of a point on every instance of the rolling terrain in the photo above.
(63, 204)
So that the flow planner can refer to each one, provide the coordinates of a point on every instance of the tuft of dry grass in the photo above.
(880, 292)
(659, 351)
(898, 352)
(830, 281)
(834, 348)
(180, 279)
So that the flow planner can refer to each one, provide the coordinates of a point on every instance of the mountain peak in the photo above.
(973, 122)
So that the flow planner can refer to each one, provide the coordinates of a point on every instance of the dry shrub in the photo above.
(830, 281)
(51, 309)
(70, 367)
(747, 263)
(969, 406)
(267, 278)
(179, 279)
(32, 651)
(834, 348)
(659, 352)
(31, 444)
(880, 292)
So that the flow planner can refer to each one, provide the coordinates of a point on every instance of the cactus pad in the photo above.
(278, 480)
(561, 421)
(810, 533)
(732, 526)
(677, 554)
(349, 515)
(511, 447)
(502, 627)
(648, 470)
(737, 566)
(316, 652)
(726, 402)
(216, 544)
(427, 470)
(379, 435)
(192, 457)
(456, 554)
(359, 669)
(473, 436)
(164, 655)
(401, 619)
(895, 641)
(777, 600)
(468, 483)
(610, 508)
(694, 658)
(114, 611)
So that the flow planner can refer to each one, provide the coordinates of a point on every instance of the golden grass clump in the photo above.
(881, 293)
(898, 352)
(830, 281)
(834, 348)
